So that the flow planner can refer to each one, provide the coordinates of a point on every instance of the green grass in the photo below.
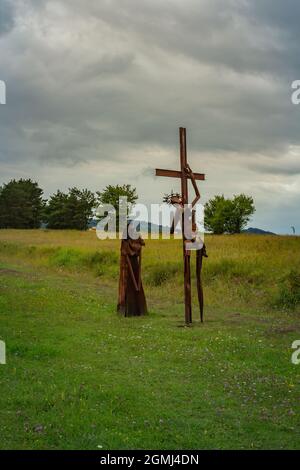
(78, 376)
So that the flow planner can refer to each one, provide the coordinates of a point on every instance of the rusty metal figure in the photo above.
(132, 301)
(189, 243)
(193, 241)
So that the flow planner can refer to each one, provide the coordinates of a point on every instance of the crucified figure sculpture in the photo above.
(193, 241)
(186, 213)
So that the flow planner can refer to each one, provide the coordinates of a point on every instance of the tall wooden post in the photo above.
(185, 200)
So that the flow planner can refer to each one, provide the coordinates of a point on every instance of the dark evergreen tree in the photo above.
(70, 210)
(21, 204)
(56, 211)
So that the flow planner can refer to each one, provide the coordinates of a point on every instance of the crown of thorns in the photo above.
(169, 198)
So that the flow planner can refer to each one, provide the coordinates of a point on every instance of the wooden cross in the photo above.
(185, 200)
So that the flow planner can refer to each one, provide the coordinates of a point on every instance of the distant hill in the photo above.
(145, 227)
(141, 226)
(257, 231)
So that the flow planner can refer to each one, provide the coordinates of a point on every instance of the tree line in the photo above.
(22, 206)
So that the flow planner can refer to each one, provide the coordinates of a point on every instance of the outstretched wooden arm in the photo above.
(191, 175)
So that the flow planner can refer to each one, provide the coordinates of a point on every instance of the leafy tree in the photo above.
(217, 211)
(111, 195)
(241, 212)
(70, 210)
(21, 204)
(228, 215)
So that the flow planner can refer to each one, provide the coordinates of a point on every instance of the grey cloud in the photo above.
(290, 170)
(284, 15)
(287, 164)
(110, 82)
(246, 36)
(107, 66)
(6, 16)
(225, 113)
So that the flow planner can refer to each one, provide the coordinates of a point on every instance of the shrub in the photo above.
(66, 257)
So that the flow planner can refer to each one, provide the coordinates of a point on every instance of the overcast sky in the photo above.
(96, 91)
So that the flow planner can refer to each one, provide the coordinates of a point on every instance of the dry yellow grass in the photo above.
(242, 270)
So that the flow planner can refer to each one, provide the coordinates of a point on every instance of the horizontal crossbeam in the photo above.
(177, 174)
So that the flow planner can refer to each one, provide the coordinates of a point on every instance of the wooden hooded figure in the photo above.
(132, 301)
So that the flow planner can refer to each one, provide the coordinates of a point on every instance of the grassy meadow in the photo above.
(78, 376)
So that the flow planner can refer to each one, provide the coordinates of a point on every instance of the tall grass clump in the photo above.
(96, 258)
(66, 257)
(227, 269)
(289, 293)
(102, 263)
(161, 273)
(96, 261)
